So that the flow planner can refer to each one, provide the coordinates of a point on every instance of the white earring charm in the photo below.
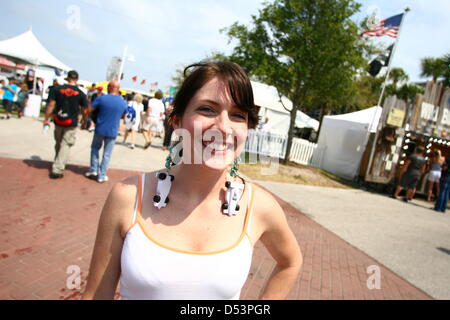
(234, 192)
(161, 199)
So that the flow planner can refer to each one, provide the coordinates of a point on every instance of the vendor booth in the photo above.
(403, 127)
(344, 138)
(26, 48)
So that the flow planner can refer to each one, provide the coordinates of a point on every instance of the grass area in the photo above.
(292, 173)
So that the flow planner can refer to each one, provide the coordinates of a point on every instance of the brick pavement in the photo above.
(48, 225)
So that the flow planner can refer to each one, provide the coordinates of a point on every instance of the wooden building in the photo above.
(404, 126)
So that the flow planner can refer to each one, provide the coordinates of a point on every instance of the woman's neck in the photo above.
(197, 181)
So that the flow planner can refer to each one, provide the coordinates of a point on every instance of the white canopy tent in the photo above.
(344, 138)
(279, 118)
(27, 48)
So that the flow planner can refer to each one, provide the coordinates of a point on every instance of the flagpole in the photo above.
(391, 58)
(125, 49)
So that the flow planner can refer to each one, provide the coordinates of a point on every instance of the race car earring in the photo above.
(234, 192)
(161, 199)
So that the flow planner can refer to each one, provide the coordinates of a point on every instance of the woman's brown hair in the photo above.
(239, 86)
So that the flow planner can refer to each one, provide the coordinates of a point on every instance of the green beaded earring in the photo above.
(174, 151)
(235, 167)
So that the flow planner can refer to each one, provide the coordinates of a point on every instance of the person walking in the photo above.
(65, 105)
(410, 175)
(154, 116)
(434, 175)
(89, 124)
(168, 129)
(110, 109)
(8, 96)
(132, 122)
(444, 189)
(22, 99)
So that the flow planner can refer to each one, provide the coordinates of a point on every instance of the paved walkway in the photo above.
(48, 226)
(409, 238)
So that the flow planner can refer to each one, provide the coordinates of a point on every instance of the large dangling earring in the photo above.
(175, 154)
(234, 191)
(161, 198)
(235, 167)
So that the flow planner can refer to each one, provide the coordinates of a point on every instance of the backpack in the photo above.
(65, 115)
(130, 116)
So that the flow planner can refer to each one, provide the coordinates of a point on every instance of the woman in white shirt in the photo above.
(154, 118)
(195, 246)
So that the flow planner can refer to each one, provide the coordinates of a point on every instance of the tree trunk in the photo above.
(290, 134)
(322, 114)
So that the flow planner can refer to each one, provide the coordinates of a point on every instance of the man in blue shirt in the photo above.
(109, 109)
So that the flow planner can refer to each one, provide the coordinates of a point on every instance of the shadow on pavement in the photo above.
(444, 250)
(36, 162)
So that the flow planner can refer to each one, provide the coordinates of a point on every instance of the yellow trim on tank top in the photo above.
(244, 233)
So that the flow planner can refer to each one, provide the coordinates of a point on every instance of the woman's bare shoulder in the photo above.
(264, 203)
(124, 190)
(121, 202)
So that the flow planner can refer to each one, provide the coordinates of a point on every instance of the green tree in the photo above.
(432, 67)
(397, 75)
(367, 90)
(446, 73)
(408, 92)
(179, 77)
(309, 50)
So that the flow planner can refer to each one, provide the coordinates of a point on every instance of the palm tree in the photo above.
(446, 73)
(397, 75)
(432, 67)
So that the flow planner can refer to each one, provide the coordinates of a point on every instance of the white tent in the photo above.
(279, 118)
(27, 48)
(344, 138)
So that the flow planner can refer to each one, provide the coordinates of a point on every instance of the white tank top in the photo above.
(150, 270)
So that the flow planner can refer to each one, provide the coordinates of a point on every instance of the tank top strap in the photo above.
(139, 196)
(248, 218)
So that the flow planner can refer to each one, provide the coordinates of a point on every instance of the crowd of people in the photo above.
(107, 115)
(437, 168)
(14, 94)
(149, 116)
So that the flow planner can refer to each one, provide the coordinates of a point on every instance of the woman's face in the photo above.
(215, 127)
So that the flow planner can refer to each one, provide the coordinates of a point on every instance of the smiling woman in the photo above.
(200, 244)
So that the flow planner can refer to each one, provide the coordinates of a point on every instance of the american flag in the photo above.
(387, 27)
(153, 85)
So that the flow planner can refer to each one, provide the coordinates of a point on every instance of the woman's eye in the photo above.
(240, 116)
(205, 109)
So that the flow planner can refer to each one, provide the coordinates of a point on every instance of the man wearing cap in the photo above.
(64, 106)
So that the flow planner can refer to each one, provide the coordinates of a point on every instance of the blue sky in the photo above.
(162, 35)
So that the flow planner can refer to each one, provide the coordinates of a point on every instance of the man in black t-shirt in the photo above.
(411, 173)
(64, 106)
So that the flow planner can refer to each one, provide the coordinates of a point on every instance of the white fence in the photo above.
(274, 145)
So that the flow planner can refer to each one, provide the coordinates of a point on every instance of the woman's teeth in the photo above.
(215, 146)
